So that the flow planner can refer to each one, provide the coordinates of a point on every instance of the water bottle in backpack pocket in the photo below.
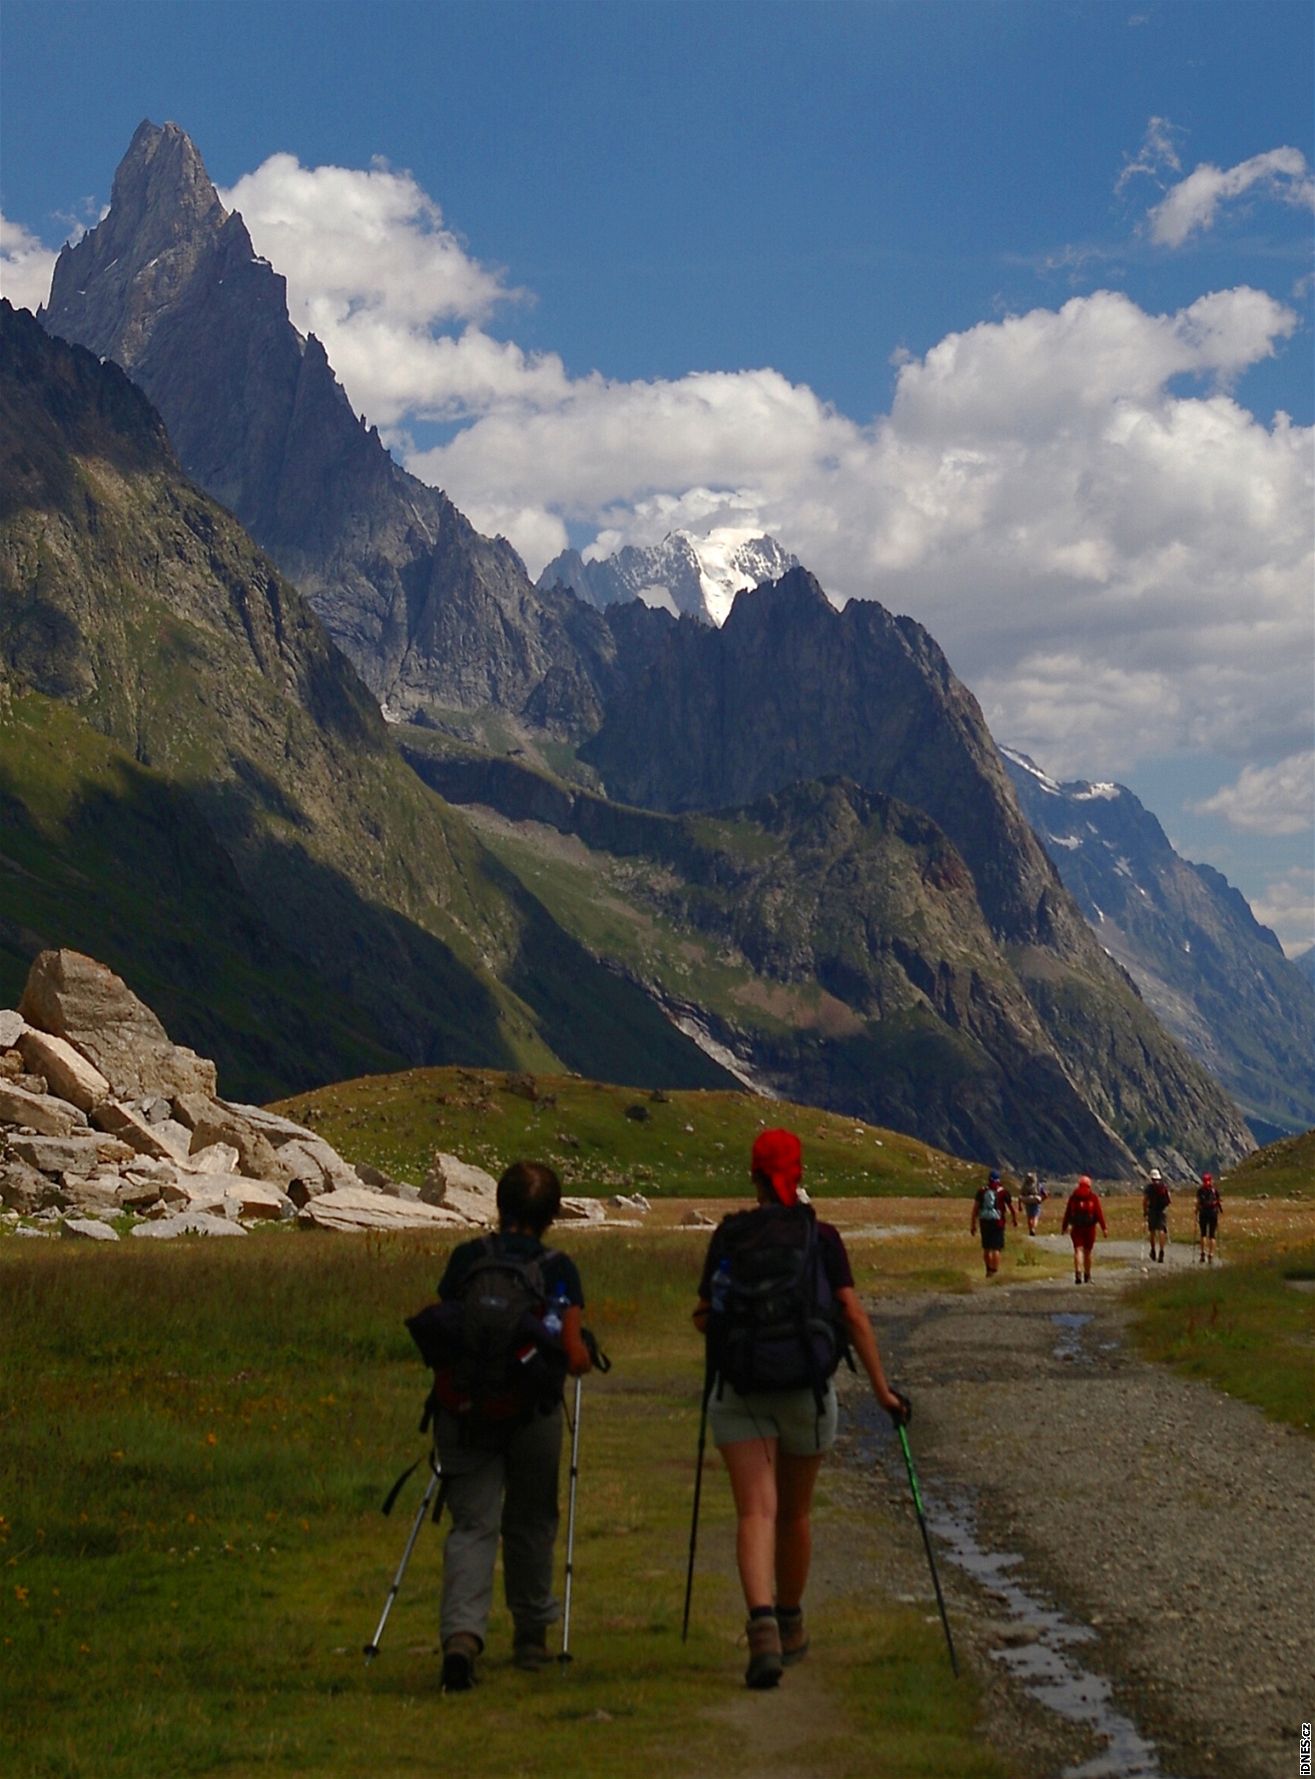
(492, 1347)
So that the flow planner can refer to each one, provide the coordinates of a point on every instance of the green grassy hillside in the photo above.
(605, 1138)
(1285, 1168)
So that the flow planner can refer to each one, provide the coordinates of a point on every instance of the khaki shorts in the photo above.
(789, 1416)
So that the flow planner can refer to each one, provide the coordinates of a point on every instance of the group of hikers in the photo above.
(778, 1311)
(1084, 1215)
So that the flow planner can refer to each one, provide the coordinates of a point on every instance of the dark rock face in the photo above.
(433, 615)
(1214, 976)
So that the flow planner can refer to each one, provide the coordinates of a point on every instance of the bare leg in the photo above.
(795, 1481)
(752, 1467)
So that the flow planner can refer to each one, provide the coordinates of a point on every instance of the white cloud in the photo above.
(1287, 907)
(1157, 156)
(25, 266)
(1115, 554)
(1271, 800)
(373, 271)
(1193, 204)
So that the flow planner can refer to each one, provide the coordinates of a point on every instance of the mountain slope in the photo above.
(829, 943)
(183, 753)
(1210, 972)
(434, 616)
(696, 576)
(789, 689)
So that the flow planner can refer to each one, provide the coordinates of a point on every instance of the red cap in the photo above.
(779, 1157)
(1084, 1184)
(1207, 1179)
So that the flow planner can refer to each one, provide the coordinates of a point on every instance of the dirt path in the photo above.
(1172, 1528)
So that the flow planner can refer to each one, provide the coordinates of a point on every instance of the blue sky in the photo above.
(986, 308)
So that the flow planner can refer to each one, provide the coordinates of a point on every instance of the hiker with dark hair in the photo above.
(1033, 1195)
(990, 1202)
(1155, 1201)
(1209, 1208)
(1083, 1214)
(514, 1309)
(778, 1308)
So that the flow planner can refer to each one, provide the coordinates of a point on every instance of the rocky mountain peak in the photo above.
(112, 288)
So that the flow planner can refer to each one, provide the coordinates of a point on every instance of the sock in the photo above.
(789, 1612)
(762, 1612)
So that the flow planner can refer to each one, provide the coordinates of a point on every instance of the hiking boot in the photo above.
(765, 1660)
(459, 1654)
(529, 1648)
(794, 1637)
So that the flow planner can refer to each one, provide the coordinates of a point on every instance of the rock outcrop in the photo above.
(101, 1114)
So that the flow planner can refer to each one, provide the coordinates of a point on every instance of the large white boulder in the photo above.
(78, 999)
(67, 1072)
(360, 1208)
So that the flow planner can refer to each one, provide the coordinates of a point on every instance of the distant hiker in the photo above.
(1032, 1195)
(1155, 1202)
(990, 1203)
(514, 1308)
(1209, 1207)
(778, 1308)
(1083, 1215)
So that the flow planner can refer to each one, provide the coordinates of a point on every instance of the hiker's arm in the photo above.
(701, 1314)
(864, 1342)
(577, 1353)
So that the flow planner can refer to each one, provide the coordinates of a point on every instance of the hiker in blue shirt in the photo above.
(499, 1439)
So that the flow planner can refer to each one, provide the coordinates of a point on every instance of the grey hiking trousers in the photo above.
(505, 1486)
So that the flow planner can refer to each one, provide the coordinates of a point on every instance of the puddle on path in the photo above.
(1070, 1324)
(1039, 1640)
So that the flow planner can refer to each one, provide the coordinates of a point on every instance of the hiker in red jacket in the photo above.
(1082, 1214)
(1209, 1205)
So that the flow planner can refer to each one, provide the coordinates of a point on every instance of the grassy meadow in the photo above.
(196, 1442)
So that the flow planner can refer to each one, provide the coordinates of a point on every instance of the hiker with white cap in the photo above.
(1155, 1201)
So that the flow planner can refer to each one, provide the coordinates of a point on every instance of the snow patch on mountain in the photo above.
(686, 574)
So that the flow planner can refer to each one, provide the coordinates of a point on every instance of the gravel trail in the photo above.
(1176, 1525)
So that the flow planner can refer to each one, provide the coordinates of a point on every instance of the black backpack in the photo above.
(492, 1355)
(774, 1322)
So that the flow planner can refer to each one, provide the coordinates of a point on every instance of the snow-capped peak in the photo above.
(685, 573)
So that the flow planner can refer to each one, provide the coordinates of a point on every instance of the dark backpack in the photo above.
(774, 1322)
(492, 1355)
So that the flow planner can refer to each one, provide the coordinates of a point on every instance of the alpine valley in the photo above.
(780, 850)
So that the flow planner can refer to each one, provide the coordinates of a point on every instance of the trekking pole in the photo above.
(926, 1539)
(694, 1518)
(565, 1655)
(435, 1474)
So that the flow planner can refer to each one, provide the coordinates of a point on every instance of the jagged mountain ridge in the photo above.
(434, 616)
(197, 786)
(789, 689)
(1214, 976)
(697, 576)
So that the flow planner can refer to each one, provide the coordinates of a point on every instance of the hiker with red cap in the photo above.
(779, 1310)
(990, 1202)
(1083, 1214)
(1209, 1207)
